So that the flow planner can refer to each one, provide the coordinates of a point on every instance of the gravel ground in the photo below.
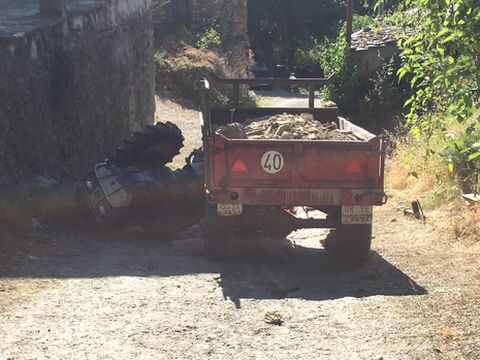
(67, 295)
(128, 296)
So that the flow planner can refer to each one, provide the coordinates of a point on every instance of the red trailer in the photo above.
(256, 184)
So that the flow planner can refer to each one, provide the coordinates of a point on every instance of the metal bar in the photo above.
(349, 21)
(275, 81)
(381, 7)
(316, 223)
(311, 96)
(236, 95)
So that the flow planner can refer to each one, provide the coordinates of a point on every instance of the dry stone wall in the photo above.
(70, 91)
(230, 15)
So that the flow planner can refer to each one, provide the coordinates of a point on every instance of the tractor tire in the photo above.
(350, 242)
(218, 236)
(153, 146)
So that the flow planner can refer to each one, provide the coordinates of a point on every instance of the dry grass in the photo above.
(467, 224)
(449, 333)
(411, 175)
(180, 65)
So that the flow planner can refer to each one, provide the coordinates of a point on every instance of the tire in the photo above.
(218, 236)
(153, 146)
(350, 242)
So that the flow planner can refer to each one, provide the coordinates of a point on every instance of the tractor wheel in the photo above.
(153, 146)
(350, 242)
(218, 235)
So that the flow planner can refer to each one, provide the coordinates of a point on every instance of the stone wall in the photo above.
(230, 15)
(71, 89)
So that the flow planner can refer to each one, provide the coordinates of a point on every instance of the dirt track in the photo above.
(73, 296)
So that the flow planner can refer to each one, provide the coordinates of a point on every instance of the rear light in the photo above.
(239, 166)
(90, 182)
(104, 208)
(353, 167)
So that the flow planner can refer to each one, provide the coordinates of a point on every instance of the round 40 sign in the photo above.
(272, 162)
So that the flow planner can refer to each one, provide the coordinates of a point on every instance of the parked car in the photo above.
(261, 71)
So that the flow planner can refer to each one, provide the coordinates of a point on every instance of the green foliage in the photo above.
(208, 38)
(442, 59)
(161, 62)
(335, 58)
(309, 58)
(463, 155)
(280, 27)
(376, 99)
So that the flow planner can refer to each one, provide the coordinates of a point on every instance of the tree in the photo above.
(443, 60)
(280, 27)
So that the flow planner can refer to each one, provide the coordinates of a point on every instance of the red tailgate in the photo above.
(326, 172)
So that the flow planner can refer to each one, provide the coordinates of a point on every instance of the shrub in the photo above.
(209, 38)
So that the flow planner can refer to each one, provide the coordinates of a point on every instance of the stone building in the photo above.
(76, 77)
(371, 48)
(230, 15)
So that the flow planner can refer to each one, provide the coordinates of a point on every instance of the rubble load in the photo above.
(287, 127)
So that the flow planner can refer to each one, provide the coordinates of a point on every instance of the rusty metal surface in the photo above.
(296, 197)
(313, 172)
(307, 164)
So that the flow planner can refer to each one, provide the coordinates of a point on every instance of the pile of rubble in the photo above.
(287, 127)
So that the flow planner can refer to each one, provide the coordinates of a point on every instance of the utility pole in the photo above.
(52, 7)
(380, 8)
(349, 21)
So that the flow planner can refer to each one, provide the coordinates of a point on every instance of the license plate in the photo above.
(357, 214)
(229, 209)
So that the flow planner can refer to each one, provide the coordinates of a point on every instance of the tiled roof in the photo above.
(374, 38)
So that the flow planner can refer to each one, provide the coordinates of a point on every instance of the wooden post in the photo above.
(349, 21)
(311, 96)
(380, 8)
(52, 7)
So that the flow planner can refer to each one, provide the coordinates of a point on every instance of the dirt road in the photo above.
(67, 295)
(284, 98)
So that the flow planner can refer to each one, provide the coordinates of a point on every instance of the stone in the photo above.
(233, 131)
(283, 128)
(286, 136)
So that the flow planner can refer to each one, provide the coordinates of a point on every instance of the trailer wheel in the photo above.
(350, 242)
(218, 235)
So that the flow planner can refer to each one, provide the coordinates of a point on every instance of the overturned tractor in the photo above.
(136, 188)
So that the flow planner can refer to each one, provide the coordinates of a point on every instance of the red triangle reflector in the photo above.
(239, 166)
(353, 167)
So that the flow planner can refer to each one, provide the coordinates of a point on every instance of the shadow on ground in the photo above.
(293, 272)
